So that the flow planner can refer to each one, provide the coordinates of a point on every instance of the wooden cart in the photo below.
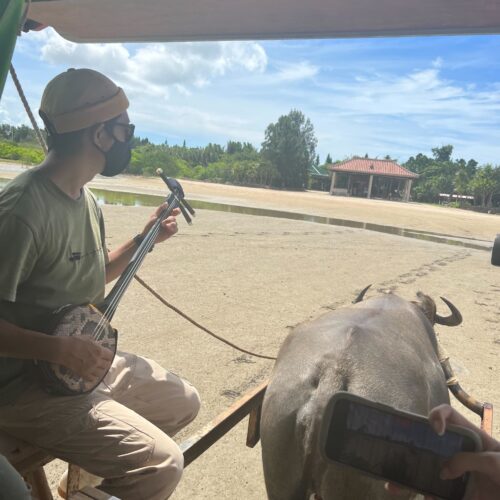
(29, 461)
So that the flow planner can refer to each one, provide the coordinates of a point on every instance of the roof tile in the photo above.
(369, 166)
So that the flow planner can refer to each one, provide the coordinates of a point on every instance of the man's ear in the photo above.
(100, 137)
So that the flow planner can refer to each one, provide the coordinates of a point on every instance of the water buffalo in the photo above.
(384, 349)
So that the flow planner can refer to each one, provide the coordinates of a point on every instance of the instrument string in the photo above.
(117, 294)
(137, 259)
(111, 308)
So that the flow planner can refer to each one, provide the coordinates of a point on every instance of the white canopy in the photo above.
(175, 20)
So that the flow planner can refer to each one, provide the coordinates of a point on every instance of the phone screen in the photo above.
(401, 449)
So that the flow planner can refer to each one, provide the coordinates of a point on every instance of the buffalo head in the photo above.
(428, 307)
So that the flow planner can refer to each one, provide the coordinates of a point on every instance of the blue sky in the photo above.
(396, 97)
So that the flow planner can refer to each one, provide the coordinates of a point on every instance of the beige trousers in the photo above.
(121, 431)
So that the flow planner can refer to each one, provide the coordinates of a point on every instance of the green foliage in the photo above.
(486, 184)
(440, 174)
(443, 153)
(21, 134)
(25, 154)
(290, 145)
(146, 159)
(288, 152)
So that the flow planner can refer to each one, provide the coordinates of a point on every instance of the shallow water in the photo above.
(146, 200)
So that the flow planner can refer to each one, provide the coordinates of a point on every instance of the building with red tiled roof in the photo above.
(370, 178)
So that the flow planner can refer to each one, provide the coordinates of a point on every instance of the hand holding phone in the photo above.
(397, 446)
(485, 465)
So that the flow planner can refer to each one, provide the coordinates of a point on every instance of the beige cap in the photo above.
(80, 98)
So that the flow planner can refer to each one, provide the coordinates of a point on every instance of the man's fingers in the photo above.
(445, 414)
(394, 489)
(487, 463)
(106, 354)
(170, 225)
(163, 206)
(103, 365)
(159, 209)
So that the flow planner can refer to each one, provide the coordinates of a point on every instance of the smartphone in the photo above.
(394, 445)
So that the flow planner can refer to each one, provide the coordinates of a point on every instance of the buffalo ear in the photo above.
(427, 306)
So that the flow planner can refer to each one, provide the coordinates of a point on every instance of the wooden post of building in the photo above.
(408, 189)
(332, 185)
(370, 184)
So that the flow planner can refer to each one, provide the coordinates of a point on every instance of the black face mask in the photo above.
(117, 158)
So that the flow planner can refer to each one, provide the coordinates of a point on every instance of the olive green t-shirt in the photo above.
(51, 254)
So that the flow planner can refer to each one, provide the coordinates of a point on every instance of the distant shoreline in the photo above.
(422, 217)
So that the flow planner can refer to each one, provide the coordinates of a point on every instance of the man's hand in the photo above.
(168, 227)
(119, 258)
(484, 465)
(83, 356)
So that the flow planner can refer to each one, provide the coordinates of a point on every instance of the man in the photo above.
(53, 253)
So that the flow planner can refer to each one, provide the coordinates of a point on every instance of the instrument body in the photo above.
(83, 320)
(95, 322)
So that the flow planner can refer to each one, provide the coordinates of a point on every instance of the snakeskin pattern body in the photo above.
(77, 320)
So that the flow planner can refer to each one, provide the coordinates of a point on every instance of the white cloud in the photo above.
(157, 68)
(296, 71)
(416, 94)
(360, 97)
(401, 115)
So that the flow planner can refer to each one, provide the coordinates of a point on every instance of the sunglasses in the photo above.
(129, 130)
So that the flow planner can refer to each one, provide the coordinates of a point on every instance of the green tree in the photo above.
(328, 160)
(146, 159)
(440, 174)
(462, 183)
(26, 154)
(21, 134)
(443, 153)
(234, 147)
(486, 183)
(290, 145)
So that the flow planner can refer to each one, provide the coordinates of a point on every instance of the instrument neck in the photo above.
(110, 303)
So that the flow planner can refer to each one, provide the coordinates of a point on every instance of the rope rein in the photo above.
(201, 327)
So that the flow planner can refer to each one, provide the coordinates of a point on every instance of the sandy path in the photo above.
(250, 278)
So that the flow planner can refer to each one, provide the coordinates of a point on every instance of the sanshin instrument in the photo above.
(95, 321)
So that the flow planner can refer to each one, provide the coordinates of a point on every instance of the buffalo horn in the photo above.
(454, 319)
(359, 298)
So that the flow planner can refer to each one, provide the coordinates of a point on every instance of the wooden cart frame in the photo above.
(29, 461)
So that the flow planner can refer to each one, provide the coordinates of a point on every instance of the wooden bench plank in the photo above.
(90, 493)
(23, 456)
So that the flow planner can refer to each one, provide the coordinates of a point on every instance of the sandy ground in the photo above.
(251, 278)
